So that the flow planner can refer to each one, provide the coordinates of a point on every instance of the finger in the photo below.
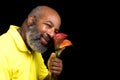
(56, 70)
(56, 62)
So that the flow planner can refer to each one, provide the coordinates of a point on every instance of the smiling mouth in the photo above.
(45, 39)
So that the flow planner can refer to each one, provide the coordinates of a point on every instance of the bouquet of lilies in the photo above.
(60, 43)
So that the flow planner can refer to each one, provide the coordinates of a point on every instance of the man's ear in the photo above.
(30, 20)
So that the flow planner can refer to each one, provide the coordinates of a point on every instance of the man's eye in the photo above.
(49, 25)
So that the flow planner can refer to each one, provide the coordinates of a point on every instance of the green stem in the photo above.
(56, 52)
(51, 77)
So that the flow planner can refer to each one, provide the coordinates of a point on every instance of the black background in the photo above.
(79, 18)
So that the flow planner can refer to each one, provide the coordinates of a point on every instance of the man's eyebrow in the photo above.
(50, 23)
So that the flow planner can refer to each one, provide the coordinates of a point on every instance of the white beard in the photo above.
(33, 40)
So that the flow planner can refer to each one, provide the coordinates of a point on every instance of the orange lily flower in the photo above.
(60, 42)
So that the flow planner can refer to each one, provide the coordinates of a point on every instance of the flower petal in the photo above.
(60, 36)
(58, 39)
(65, 43)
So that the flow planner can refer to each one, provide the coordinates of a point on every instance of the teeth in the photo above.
(45, 36)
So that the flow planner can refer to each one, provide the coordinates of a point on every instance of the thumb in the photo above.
(52, 56)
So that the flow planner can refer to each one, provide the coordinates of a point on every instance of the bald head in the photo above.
(43, 11)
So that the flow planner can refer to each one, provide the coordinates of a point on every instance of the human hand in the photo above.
(55, 65)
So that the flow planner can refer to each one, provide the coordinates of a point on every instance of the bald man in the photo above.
(21, 48)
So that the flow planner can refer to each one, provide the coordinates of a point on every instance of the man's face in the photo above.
(40, 32)
(38, 41)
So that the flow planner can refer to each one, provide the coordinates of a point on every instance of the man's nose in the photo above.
(51, 33)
